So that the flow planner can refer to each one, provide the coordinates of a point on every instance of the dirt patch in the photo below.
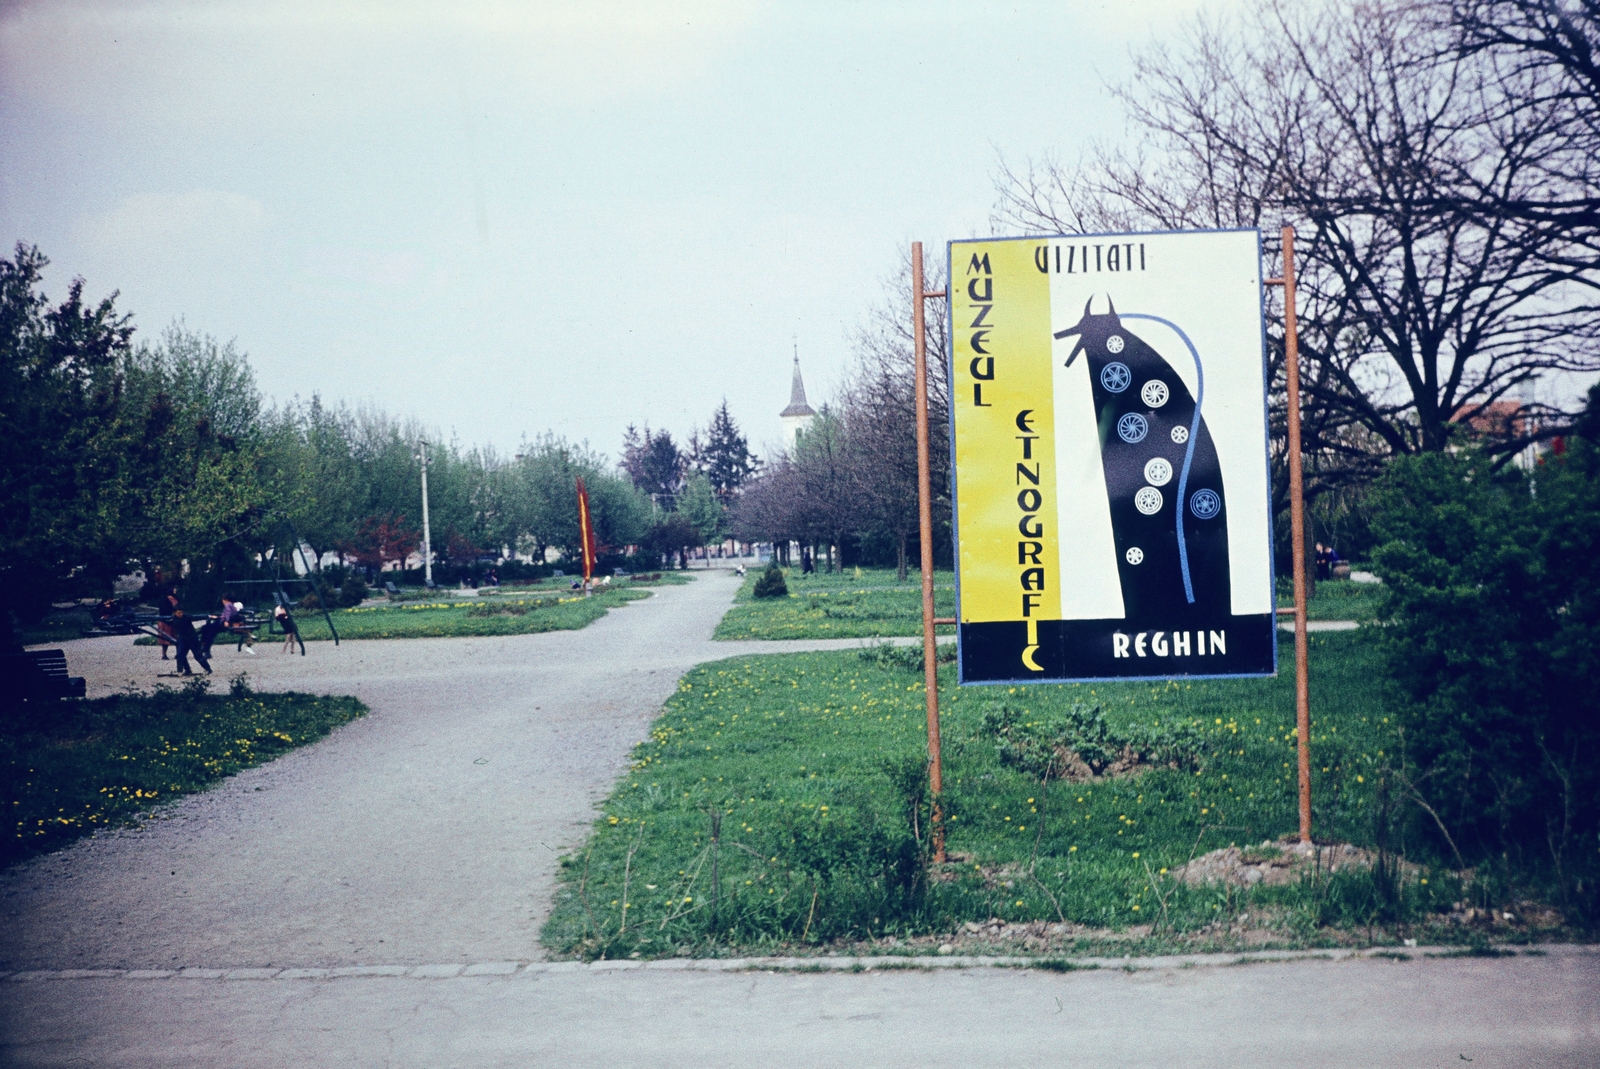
(1275, 863)
(1128, 761)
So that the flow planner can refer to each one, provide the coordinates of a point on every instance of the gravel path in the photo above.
(427, 831)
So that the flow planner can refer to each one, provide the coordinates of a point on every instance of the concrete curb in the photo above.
(874, 963)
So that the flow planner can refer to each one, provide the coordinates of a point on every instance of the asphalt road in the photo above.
(426, 835)
(1438, 1013)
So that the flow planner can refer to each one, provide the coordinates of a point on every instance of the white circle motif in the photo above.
(1157, 471)
(1154, 393)
(1148, 501)
(1135, 555)
(1114, 343)
(1180, 434)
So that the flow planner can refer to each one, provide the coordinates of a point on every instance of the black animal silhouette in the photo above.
(1168, 509)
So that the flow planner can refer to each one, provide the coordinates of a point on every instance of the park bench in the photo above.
(393, 590)
(37, 675)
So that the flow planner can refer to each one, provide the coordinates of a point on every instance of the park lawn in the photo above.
(799, 754)
(555, 611)
(58, 625)
(1337, 599)
(85, 765)
(869, 603)
(454, 618)
(856, 603)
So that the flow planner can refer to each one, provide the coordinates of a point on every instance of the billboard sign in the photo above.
(1108, 410)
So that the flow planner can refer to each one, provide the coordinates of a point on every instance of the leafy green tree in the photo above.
(538, 500)
(673, 536)
(198, 471)
(310, 447)
(1493, 641)
(62, 437)
(115, 454)
(621, 513)
(700, 505)
(829, 493)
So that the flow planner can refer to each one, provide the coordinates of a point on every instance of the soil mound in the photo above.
(1272, 863)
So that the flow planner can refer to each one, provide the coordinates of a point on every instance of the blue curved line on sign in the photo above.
(1188, 453)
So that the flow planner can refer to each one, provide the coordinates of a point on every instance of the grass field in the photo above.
(806, 765)
(1337, 599)
(503, 614)
(858, 603)
(869, 603)
(449, 619)
(87, 765)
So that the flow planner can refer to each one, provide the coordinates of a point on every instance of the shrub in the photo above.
(771, 584)
(1493, 602)
(310, 601)
(353, 592)
(1079, 743)
(889, 655)
(511, 608)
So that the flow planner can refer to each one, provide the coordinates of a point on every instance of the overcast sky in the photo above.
(512, 218)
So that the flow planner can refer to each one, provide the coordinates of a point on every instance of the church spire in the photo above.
(798, 416)
(797, 392)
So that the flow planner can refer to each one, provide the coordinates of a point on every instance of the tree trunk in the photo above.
(900, 559)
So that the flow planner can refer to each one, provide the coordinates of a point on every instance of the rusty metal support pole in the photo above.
(930, 663)
(1297, 518)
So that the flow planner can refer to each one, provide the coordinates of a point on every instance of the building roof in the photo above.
(1497, 418)
(797, 395)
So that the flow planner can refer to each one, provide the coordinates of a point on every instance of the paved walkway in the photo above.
(1439, 1012)
(422, 839)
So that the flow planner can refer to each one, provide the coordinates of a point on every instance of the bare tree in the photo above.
(1358, 123)
(1543, 58)
(880, 418)
(879, 408)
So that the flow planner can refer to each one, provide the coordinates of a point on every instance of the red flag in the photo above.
(587, 526)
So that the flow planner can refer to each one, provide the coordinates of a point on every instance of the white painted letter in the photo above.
(1138, 643)
(1119, 645)
(1180, 643)
(1219, 642)
(1158, 644)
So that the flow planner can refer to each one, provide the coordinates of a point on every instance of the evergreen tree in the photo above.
(723, 456)
(654, 463)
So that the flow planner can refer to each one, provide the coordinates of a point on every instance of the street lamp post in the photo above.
(427, 541)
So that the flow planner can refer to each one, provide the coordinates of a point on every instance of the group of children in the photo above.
(177, 630)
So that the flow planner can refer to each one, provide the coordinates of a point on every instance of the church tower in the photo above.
(798, 416)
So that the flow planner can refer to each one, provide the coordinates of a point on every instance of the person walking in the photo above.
(291, 630)
(188, 642)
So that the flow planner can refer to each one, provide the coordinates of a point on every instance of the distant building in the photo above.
(798, 416)
(1502, 420)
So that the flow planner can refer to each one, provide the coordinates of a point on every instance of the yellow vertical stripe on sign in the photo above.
(1003, 402)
